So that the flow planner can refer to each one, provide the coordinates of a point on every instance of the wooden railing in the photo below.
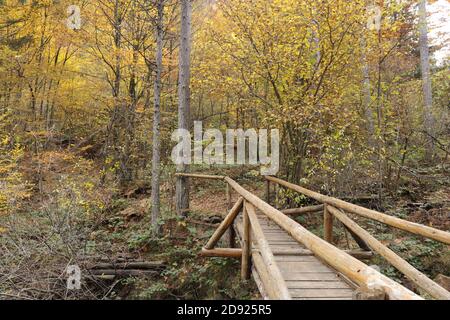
(367, 278)
(337, 208)
(405, 225)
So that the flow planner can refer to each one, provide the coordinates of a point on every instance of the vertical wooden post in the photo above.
(268, 191)
(276, 195)
(228, 197)
(246, 246)
(327, 225)
(232, 236)
(231, 231)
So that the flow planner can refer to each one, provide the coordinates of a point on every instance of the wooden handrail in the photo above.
(200, 176)
(405, 225)
(327, 225)
(263, 274)
(276, 279)
(354, 269)
(403, 266)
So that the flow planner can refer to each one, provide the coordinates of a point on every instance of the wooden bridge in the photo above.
(289, 262)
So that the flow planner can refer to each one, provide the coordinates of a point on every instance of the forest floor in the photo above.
(76, 216)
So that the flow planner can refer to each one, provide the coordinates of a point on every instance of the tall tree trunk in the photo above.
(117, 24)
(380, 124)
(182, 184)
(366, 92)
(426, 78)
(156, 159)
(117, 117)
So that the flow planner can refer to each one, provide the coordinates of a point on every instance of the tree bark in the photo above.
(366, 92)
(182, 184)
(426, 78)
(156, 158)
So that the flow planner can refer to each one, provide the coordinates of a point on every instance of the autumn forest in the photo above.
(91, 92)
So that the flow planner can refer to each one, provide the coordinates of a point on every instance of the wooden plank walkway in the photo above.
(307, 277)
(284, 269)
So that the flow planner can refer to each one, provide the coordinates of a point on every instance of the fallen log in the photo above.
(102, 277)
(124, 272)
(150, 265)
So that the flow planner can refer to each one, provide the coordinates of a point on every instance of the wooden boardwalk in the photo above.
(288, 261)
(306, 277)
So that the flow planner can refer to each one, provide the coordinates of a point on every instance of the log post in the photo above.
(232, 236)
(246, 247)
(275, 190)
(231, 232)
(327, 225)
(267, 184)
(228, 196)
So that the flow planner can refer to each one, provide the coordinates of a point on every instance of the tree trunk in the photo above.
(182, 184)
(426, 78)
(366, 92)
(156, 159)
